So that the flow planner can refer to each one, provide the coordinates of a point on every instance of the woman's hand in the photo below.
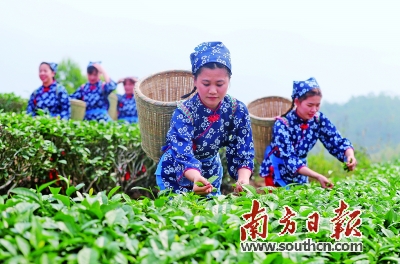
(351, 159)
(194, 176)
(102, 72)
(325, 182)
(243, 178)
(98, 67)
(206, 189)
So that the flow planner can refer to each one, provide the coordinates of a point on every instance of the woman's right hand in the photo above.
(206, 189)
(325, 182)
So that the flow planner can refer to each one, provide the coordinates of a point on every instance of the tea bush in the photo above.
(97, 154)
(9, 102)
(110, 227)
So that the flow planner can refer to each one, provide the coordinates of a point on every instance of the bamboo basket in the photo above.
(112, 110)
(262, 115)
(156, 99)
(78, 109)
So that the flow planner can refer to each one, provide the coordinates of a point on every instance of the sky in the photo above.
(351, 47)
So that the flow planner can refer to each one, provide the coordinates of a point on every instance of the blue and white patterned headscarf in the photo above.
(208, 52)
(53, 66)
(302, 87)
(94, 62)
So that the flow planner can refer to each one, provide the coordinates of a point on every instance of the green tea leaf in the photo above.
(64, 199)
(23, 246)
(212, 179)
(45, 185)
(113, 190)
(88, 256)
(159, 202)
(200, 184)
(55, 190)
(250, 188)
(8, 246)
(25, 192)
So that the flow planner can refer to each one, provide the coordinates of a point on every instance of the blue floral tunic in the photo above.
(53, 99)
(292, 139)
(195, 137)
(127, 108)
(96, 98)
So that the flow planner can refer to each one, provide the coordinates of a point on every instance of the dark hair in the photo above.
(49, 68)
(92, 69)
(212, 66)
(311, 93)
(129, 80)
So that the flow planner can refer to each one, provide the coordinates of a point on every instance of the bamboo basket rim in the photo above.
(77, 102)
(261, 98)
(153, 101)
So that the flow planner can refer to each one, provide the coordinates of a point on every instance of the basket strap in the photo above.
(283, 119)
(233, 103)
(185, 110)
(317, 117)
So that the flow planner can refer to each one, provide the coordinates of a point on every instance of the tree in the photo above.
(70, 75)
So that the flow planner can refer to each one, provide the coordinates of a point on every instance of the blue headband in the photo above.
(53, 66)
(302, 87)
(94, 62)
(208, 52)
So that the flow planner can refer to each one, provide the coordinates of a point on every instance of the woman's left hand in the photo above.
(242, 179)
(351, 159)
(351, 162)
(98, 67)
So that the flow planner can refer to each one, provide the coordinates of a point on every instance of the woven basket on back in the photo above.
(78, 109)
(156, 99)
(262, 115)
(112, 110)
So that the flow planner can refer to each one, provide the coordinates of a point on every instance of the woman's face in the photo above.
(212, 86)
(93, 77)
(129, 86)
(45, 73)
(306, 109)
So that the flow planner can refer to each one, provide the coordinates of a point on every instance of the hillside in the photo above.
(369, 121)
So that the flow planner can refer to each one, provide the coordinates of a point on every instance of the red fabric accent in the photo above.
(92, 87)
(304, 126)
(129, 96)
(121, 104)
(46, 89)
(194, 146)
(35, 101)
(213, 118)
(269, 181)
(127, 176)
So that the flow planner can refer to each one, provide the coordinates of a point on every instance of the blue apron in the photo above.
(275, 163)
(99, 111)
(130, 119)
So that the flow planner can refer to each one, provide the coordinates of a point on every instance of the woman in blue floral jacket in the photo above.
(95, 93)
(51, 97)
(203, 124)
(296, 133)
(126, 103)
